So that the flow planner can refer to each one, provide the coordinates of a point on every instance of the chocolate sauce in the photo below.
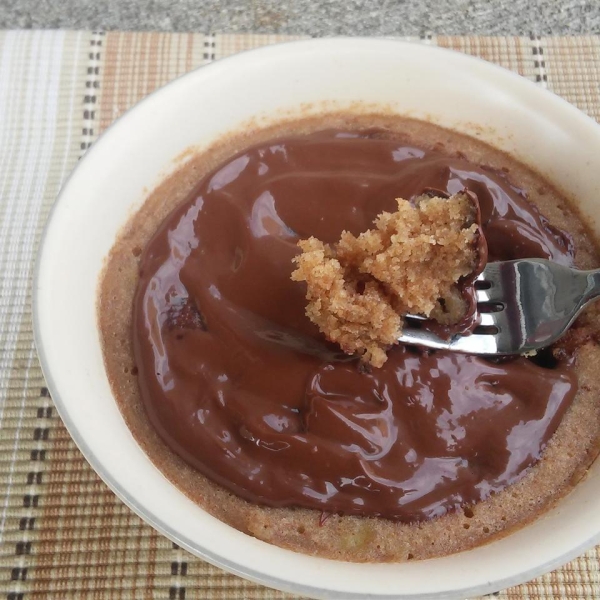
(241, 385)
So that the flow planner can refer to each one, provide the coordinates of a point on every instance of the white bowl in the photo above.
(112, 180)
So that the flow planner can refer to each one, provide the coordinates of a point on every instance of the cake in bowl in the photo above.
(245, 405)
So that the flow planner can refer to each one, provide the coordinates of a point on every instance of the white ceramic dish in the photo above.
(136, 152)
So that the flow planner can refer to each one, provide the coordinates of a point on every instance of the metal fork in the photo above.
(524, 305)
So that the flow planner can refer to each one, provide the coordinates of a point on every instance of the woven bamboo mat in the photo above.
(63, 534)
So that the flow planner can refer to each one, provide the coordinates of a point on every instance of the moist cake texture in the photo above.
(431, 422)
(411, 262)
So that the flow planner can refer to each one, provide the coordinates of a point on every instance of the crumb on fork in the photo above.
(411, 262)
(351, 310)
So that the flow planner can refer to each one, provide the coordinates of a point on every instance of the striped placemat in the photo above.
(63, 534)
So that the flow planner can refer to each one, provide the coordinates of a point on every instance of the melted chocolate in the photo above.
(241, 385)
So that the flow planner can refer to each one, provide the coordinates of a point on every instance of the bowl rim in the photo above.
(146, 514)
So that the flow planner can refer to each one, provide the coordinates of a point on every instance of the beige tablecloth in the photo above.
(63, 533)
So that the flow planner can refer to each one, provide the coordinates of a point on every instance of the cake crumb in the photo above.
(359, 289)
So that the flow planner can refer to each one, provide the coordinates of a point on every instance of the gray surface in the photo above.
(312, 17)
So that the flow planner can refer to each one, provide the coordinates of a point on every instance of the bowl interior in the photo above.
(267, 85)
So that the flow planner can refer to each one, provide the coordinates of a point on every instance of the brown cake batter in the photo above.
(440, 466)
(421, 259)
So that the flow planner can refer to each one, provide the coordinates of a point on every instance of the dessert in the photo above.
(415, 261)
(236, 396)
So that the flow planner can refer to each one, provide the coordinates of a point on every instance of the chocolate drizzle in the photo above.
(239, 383)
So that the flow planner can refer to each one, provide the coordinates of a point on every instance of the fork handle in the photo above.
(593, 285)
